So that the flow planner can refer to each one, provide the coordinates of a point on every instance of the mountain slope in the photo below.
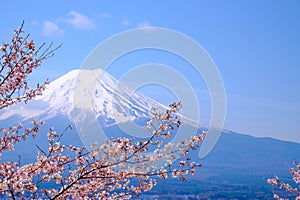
(240, 158)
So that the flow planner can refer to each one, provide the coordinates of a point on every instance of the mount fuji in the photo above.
(57, 101)
(236, 158)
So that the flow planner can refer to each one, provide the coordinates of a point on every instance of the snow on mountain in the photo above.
(110, 106)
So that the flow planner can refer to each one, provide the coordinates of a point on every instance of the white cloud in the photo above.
(146, 25)
(50, 28)
(80, 21)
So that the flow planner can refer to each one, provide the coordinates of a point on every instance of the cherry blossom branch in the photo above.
(295, 172)
(108, 168)
(17, 62)
(10, 136)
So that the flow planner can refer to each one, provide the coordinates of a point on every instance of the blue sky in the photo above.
(255, 44)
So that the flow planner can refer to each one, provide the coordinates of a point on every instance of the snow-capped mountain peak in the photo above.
(110, 105)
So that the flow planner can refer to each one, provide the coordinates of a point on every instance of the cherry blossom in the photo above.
(295, 172)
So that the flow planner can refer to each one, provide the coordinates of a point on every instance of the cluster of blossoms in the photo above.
(14, 134)
(295, 172)
(17, 61)
(118, 169)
